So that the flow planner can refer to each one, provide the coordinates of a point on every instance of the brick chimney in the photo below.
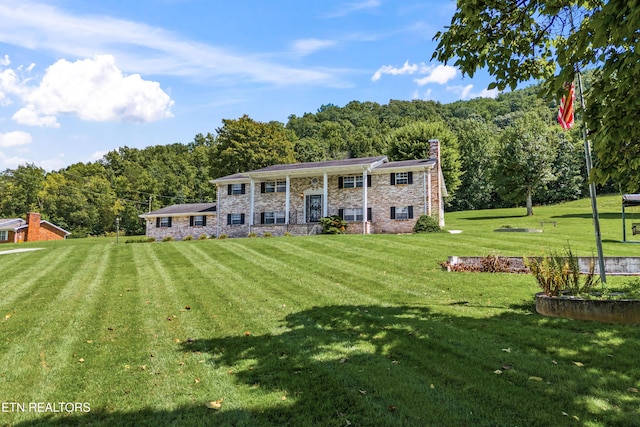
(33, 227)
(434, 149)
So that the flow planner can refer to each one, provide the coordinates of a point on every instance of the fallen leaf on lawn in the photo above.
(575, 417)
(395, 362)
(632, 389)
(497, 372)
(247, 333)
(197, 380)
(579, 364)
(554, 362)
(89, 341)
(431, 386)
(177, 341)
(506, 367)
(507, 350)
(565, 414)
(181, 363)
(81, 360)
(214, 404)
(169, 318)
(7, 316)
(363, 391)
(187, 307)
(391, 408)
(535, 379)
(344, 360)
(127, 367)
(143, 367)
(283, 398)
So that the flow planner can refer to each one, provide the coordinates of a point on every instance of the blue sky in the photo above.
(80, 78)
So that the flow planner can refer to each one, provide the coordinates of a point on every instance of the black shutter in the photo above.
(340, 182)
(169, 222)
(368, 180)
(393, 212)
(243, 187)
(410, 177)
(261, 217)
(228, 219)
(410, 211)
(158, 222)
(190, 221)
(263, 187)
(393, 180)
(204, 220)
(369, 214)
(341, 213)
(242, 217)
(229, 187)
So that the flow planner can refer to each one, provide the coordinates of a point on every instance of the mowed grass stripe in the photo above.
(296, 273)
(48, 346)
(22, 278)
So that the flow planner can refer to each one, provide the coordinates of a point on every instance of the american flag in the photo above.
(565, 114)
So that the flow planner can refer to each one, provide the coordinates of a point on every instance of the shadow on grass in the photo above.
(408, 366)
(480, 218)
(606, 215)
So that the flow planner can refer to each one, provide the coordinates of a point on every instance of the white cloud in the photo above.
(466, 92)
(388, 69)
(5, 60)
(140, 48)
(440, 74)
(15, 138)
(7, 162)
(53, 164)
(348, 8)
(308, 46)
(95, 90)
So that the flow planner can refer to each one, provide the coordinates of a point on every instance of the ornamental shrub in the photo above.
(333, 225)
(427, 224)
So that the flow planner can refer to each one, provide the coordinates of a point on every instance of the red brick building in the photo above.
(33, 229)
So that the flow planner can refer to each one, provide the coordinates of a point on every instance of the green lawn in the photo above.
(319, 330)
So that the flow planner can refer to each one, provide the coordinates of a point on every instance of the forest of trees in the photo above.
(501, 152)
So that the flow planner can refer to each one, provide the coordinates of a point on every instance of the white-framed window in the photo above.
(4, 235)
(273, 218)
(402, 212)
(165, 222)
(352, 214)
(274, 187)
(235, 219)
(198, 221)
(352, 181)
(402, 178)
(237, 189)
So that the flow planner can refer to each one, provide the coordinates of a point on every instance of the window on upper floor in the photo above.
(273, 187)
(353, 181)
(236, 189)
(401, 178)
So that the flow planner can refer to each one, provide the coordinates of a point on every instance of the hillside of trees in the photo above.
(496, 153)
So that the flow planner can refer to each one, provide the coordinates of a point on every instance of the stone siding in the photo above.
(180, 228)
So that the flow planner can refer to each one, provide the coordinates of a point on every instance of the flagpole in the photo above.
(592, 185)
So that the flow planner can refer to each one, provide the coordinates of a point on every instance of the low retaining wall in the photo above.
(615, 266)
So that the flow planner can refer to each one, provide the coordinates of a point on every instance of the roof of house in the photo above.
(333, 166)
(183, 209)
(11, 223)
(16, 224)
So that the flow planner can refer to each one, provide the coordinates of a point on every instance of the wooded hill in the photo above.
(495, 153)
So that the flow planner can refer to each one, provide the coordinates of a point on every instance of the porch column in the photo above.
(424, 191)
(364, 201)
(325, 194)
(429, 192)
(287, 196)
(251, 201)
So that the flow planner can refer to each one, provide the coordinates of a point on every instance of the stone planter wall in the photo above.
(609, 311)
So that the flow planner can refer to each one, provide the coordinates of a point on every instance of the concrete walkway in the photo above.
(13, 251)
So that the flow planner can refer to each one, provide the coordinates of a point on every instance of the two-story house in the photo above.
(372, 194)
